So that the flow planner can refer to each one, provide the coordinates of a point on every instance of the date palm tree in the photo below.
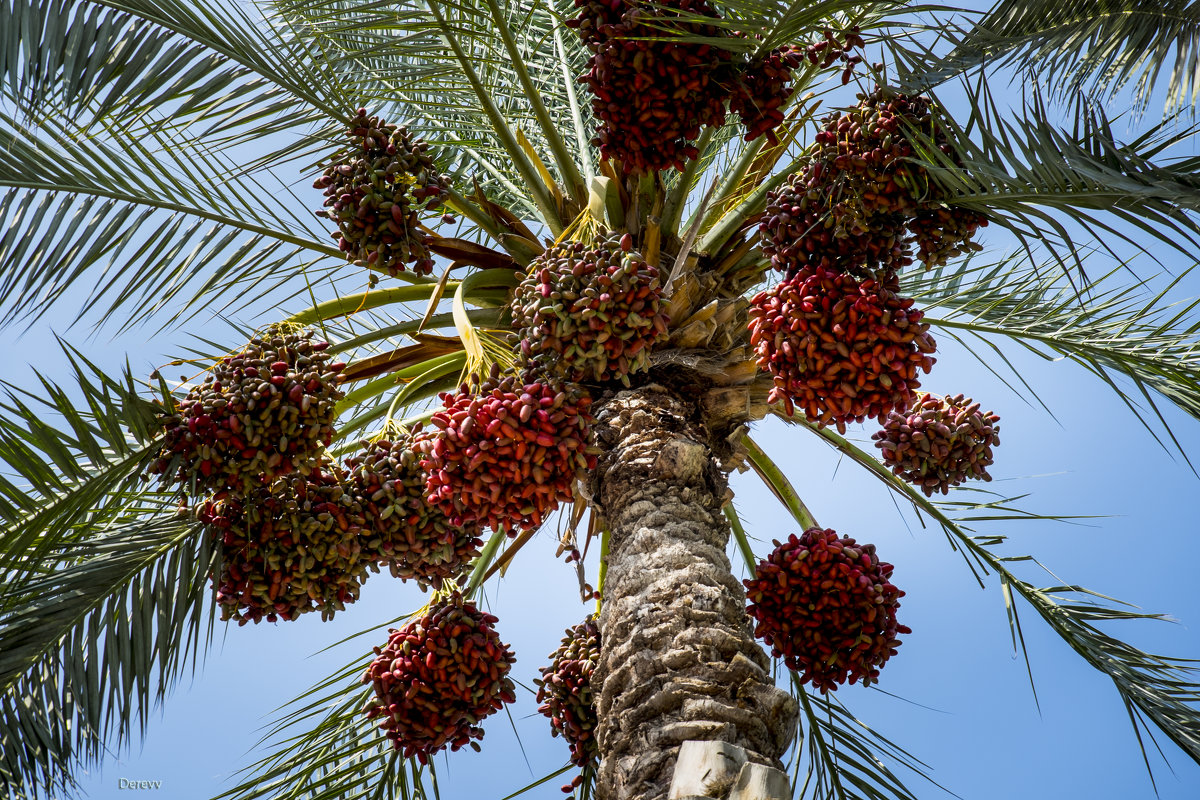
(148, 154)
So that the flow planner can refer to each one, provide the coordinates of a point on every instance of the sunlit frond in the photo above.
(1111, 327)
(1101, 47)
(1045, 182)
(218, 67)
(148, 221)
(70, 460)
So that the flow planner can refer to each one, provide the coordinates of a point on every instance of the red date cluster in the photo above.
(839, 348)
(504, 454)
(376, 190)
(826, 606)
(438, 677)
(565, 692)
(652, 95)
(862, 199)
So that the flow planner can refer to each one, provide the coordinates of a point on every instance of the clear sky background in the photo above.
(962, 700)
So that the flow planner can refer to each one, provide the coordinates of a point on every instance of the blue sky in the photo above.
(963, 701)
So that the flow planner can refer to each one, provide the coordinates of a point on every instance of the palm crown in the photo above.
(588, 211)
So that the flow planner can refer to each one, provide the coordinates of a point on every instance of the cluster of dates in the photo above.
(939, 442)
(376, 190)
(264, 412)
(839, 348)
(826, 605)
(764, 86)
(406, 533)
(287, 548)
(438, 677)
(248, 444)
(504, 453)
(590, 312)
(652, 92)
(565, 693)
(862, 198)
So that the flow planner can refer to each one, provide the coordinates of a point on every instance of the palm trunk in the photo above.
(678, 660)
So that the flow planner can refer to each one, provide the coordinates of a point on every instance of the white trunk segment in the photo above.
(707, 770)
(704, 765)
(760, 782)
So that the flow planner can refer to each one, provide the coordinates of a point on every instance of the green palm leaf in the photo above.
(326, 748)
(845, 755)
(1101, 47)
(1113, 329)
(89, 646)
(232, 75)
(160, 219)
(73, 461)
(457, 73)
(1042, 181)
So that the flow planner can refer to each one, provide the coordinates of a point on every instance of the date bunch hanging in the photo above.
(376, 190)
(590, 312)
(287, 548)
(762, 89)
(764, 85)
(504, 452)
(826, 605)
(939, 442)
(805, 226)
(651, 93)
(438, 677)
(862, 197)
(264, 412)
(840, 348)
(565, 693)
(403, 532)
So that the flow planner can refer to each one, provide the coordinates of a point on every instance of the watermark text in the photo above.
(125, 783)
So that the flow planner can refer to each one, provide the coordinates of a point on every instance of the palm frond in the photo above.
(771, 23)
(1042, 181)
(72, 463)
(1111, 328)
(325, 747)
(568, 169)
(1099, 47)
(213, 64)
(93, 643)
(157, 217)
(843, 756)
(777, 482)
(448, 71)
(571, 58)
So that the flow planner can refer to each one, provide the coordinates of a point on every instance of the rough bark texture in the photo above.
(678, 660)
